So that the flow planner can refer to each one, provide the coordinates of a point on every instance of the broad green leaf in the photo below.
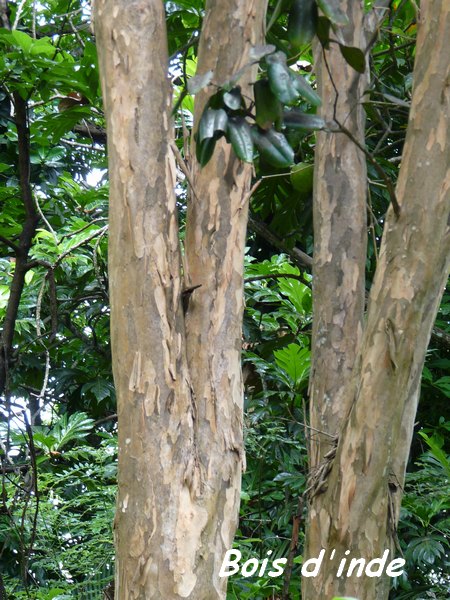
(296, 119)
(323, 31)
(273, 147)
(29, 276)
(302, 175)
(302, 22)
(439, 454)
(269, 110)
(295, 290)
(281, 78)
(76, 427)
(354, 57)
(22, 40)
(233, 98)
(305, 90)
(332, 11)
(295, 360)
(444, 384)
(43, 46)
(100, 388)
(211, 122)
(240, 137)
(204, 150)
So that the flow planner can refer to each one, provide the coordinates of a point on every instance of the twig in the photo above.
(387, 180)
(285, 595)
(183, 167)
(18, 14)
(9, 243)
(297, 255)
(50, 228)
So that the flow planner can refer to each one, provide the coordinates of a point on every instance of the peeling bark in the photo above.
(359, 509)
(178, 380)
(340, 236)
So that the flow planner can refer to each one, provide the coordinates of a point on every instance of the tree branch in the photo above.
(26, 235)
(297, 255)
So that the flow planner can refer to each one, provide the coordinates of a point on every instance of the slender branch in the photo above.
(94, 132)
(9, 243)
(378, 168)
(296, 255)
(293, 548)
(18, 14)
(105, 419)
(25, 238)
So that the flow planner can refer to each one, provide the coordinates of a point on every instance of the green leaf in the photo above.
(323, 31)
(212, 126)
(332, 11)
(444, 385)
(295, 360)
(302, 176)
(43, 46)
(204, 150)
(298, 120)
(100, 388)
(22, 40)
(294, 290)
(211, 122)
(302, 22)
(269, 110)
(354, 57)
(273, 147)
(76, 427)
(305, 90)
(233, 98)
(240, 137)
(281, 78)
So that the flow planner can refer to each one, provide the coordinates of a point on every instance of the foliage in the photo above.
(58, 446)
(66, 536)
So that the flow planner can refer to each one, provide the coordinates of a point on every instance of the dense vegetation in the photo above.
(57, 429)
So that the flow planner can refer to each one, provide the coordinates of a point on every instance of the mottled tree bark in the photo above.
(340, 236)
(178, 379)
(358, 508)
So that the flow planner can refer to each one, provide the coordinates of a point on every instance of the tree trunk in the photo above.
(178, 379)
(357, 510)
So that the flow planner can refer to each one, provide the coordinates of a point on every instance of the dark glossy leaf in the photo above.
(273, 147)
(198, 82)
(323, 31)
(240, 136)
(302, 22)
(204, 150)
(268, 108)
(233, 98)
(280, 78)
(332, 11)
(305, 90)
(212, 121)
(354, 57)
(295, 119)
